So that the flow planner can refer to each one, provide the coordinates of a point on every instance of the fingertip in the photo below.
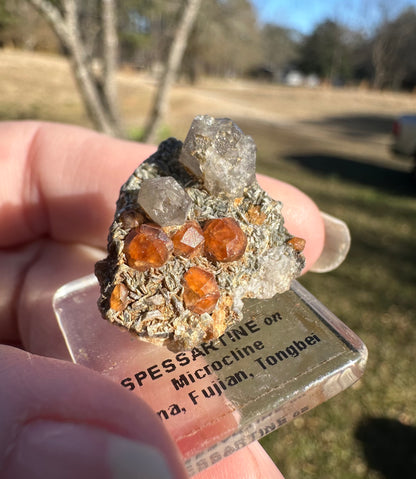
(61, 181)
(301, 214)
(50, 448)
(54, 409)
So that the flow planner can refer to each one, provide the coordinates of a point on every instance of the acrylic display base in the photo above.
(288, 355)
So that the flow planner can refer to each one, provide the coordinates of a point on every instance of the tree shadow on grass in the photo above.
(358, 126)
(389, 447)
(369, 174)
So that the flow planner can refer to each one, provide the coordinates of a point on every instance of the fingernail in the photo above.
(127, 458)
(64, 450)
(336, 247)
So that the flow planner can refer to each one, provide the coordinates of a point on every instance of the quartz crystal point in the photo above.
(219, 152)
(164, 200)
(193, 235)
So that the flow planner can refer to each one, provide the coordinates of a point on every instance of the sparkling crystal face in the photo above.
(188, 241)
(201, 291)
(164, 201)
(274, 269)
(219, 152)
(225, 241)
(147, 246)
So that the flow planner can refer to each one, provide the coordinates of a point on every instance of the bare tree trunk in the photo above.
(378, 63)
(99, 94)
(382, 45)
(161, 103)
(110, 59)
(88, 84)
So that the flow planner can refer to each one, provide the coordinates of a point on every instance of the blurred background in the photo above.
(318, 85)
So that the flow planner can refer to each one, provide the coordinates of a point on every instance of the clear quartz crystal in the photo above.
(219, 152)
(273, 275)
(164, 200)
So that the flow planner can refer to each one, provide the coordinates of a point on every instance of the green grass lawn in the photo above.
(365, 431)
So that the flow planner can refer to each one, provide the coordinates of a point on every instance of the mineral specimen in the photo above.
(194, 235)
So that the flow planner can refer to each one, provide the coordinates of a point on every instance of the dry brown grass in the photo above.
(42, 86)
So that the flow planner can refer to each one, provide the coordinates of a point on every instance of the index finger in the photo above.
(61, 181)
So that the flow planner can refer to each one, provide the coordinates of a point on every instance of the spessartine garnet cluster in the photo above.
(193, 235)
(148, 246)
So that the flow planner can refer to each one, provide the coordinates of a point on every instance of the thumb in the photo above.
(62, 420)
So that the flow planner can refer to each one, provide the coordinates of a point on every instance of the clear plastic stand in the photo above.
(288, 355)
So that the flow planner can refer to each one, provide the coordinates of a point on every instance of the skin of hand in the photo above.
(58, 187)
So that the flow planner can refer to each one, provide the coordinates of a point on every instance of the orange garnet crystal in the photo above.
(147, 246)
(225, 241)
(119, 298)
(188, 241)
(201, 291)
(298, 244)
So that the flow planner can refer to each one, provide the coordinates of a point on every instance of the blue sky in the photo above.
(304, 15)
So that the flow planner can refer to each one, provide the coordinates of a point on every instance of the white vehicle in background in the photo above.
(404, 138)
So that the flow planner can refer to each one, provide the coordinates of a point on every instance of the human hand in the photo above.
(58, 187)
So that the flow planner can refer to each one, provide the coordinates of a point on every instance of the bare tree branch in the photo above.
(99, 90)
(71, 17)
(160, 107)
(67, 28)
(86, 81)
(110, 57)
